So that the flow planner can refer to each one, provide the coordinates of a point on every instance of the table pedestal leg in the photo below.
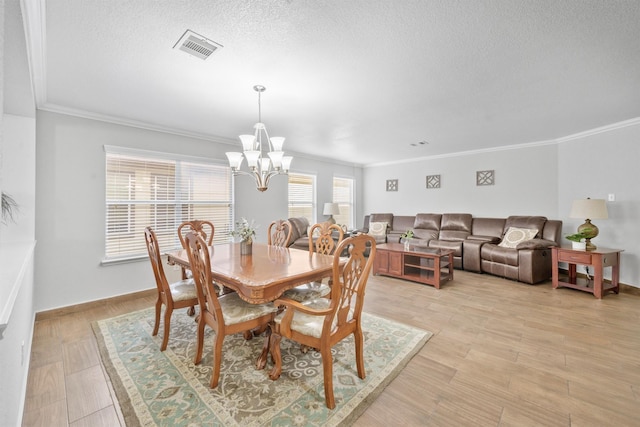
(274, 348)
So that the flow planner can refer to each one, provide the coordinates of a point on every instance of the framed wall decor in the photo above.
(392, 185)
(485, 177)
(433, 181)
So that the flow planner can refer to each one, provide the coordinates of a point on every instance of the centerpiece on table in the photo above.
(246, 231)
(406, 238)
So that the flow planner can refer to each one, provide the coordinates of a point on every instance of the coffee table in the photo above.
(417, 263)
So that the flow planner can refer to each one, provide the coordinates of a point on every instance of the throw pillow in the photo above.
(378, 228)
(515, 235)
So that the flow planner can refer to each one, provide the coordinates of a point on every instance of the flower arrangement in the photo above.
(407, 234)
(245, 230)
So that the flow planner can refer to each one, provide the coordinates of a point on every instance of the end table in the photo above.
(597, 258)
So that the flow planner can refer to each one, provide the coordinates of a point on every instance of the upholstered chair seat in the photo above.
(235, 310)
(308, 291)
(183, 290)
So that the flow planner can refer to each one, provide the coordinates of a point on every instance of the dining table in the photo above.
(264, 274)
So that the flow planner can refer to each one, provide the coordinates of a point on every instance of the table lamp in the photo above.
(589, 209)
(331, 209)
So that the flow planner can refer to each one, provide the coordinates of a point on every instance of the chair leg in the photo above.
(359, 340)
(158, 309)
(327, 368)
(217, 359)
(262, 360)
(274, 349)
(191, 311)
(199, 340)
(167, 327)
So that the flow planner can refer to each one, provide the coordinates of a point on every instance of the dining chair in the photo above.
(324, 322)
(322, 241)
(226, 314)
(205, 229)
(279, 233)
(181, 294)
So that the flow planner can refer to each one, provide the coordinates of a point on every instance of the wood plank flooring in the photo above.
(503, 354)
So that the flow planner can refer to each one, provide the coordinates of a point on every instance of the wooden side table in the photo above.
(597, 258)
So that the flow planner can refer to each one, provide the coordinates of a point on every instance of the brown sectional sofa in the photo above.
(476, 241)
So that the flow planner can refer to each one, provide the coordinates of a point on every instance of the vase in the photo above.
(406, 243)
(245, 247)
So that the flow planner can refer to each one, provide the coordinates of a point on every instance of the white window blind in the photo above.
(302, 196)
(343, 194)
(152, 189)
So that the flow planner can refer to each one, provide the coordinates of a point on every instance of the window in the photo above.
(343, 195)
(302, 196)
(161, 190)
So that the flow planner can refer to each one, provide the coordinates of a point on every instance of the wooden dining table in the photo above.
(263, 275)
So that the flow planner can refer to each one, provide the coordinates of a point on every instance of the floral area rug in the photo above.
(157, 388)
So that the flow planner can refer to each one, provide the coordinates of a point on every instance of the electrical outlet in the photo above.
(612, 197)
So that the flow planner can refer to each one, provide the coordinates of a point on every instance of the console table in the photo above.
(597, 258)
(419, 264)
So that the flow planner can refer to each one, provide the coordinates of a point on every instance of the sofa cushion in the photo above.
(455, 226)
(498, 254)
(427, 221)
(299, 227)
(382, 217)
(515, 235)
(530, 222)
(378, 229)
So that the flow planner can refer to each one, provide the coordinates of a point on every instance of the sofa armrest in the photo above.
(485, 239)
(536, 244)
(471, 260)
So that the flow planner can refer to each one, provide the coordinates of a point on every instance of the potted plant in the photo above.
(406, 238)
(577, 239)
(246, 231)
(9, 208)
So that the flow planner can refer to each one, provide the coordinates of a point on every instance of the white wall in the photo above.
(525, 184)
(17, 178)
(595, 166)
(537, 180)
(70, 214)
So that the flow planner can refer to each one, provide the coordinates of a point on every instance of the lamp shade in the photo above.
(331, 209)
(589, 208)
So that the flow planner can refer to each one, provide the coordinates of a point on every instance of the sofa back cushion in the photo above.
(382, 217)
(427, 226)
(552, 230)
(402, 223)
(299, 226)
(455, 226)
(490, 227)
(530, 222)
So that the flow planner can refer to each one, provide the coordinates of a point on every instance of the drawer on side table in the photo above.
(574, 257)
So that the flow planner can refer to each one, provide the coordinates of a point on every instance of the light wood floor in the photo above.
(503, 354)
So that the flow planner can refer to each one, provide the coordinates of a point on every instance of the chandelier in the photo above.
(265, 157)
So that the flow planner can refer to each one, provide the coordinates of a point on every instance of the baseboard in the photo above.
(56, 312)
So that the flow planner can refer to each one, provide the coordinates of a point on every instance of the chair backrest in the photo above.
(203, 228)
(324, 243)
(349, 281)
(200, 262)
(156, 261)
(279, 233)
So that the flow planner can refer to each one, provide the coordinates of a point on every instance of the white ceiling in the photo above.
(357, 80)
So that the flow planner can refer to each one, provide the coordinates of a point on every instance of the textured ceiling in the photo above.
(357, 80)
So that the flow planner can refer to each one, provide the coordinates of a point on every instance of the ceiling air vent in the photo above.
(196, 45)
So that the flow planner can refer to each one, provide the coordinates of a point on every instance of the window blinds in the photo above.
(152, 189)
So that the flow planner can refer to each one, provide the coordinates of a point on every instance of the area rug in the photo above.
(157, 388)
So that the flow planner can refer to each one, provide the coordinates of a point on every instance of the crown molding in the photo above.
(556, 141)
